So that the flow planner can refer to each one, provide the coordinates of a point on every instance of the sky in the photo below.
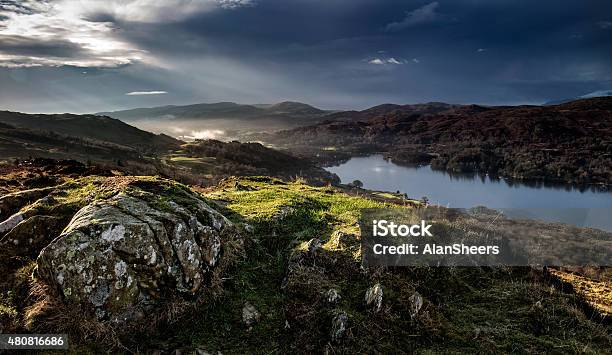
(87, 55)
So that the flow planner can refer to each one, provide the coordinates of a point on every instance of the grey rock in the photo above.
(201, 351)
(125, 255)
(339, 325)
(12, 203)
(250, 315)
(248, 227)
(314, 245)
(282, 213)
(416, 303)
(332, 295)
(11, 222)
(30, 235)
(374, 297)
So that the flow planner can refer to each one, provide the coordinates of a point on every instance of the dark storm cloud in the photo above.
(423, 15)
(352, 53)
(21, 45)
(20, 7)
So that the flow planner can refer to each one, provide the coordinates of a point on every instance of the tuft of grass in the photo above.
(596, 290)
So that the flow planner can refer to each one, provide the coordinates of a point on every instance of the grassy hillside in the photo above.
(119, 146)
(466, 309)
(85, 138)
(18, 143)
(212, 160)
(206, 162)
(100, 139)
(301, 272)
(99, 128)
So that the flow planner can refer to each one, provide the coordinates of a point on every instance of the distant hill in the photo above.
(86, 138)
(391, 109)
(223, 159)
(220, 110)
(570, 142)
(90, 127)
(291, 108)
(600, 93)
(119, 146)
(19, 143)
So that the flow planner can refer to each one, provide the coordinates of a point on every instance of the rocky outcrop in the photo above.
(374, 297)
(30, 235)
(250, 315)
(122, 255)
(339, 325)
(333, 295)
(11, 204)
(416, 302)
(28, 223)
(129, 250)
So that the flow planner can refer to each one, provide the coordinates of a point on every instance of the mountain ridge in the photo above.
(568, 142)
(600, 93)
(224, 109)
(85, 138)
(101, 128)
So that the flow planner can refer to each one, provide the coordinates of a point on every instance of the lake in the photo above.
(583, 207)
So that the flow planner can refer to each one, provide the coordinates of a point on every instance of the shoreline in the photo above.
(531, 182)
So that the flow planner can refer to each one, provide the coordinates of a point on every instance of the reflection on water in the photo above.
(485, 178)
(469, 190)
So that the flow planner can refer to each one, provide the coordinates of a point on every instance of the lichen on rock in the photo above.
(333, 295)
(416, 302)
(128, 254)
(30, 235)
(374, 297)
(339, 325)
(250, 315)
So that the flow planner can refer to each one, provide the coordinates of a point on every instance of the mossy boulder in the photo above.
(30, 235)
(11, 203)
(118, 248)
(122, 256)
